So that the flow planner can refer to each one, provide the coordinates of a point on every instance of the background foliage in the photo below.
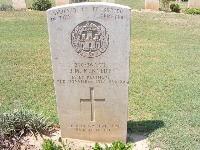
(41, 5)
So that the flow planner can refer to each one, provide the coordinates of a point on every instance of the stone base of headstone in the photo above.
(152, 4)
(62, 2)
(193, 3)
(19, 4)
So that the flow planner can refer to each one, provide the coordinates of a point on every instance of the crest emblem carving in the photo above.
(90, 39)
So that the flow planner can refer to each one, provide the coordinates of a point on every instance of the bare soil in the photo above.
(34, 142)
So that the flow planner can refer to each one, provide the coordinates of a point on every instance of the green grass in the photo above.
(5, 1)
(25, 71)
(164, 92)
(28, 2)
(165, 77)
(134, 4)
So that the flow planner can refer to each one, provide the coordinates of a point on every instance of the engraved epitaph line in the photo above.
(92, 101)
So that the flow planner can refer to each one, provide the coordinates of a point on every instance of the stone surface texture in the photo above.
(19, 4)
(111, 1)
(152, 4)
(90, 45)
(62, 2)
(193, 3)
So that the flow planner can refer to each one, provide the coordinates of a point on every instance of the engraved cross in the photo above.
(92, 101)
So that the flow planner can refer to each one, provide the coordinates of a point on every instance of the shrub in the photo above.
(165, 4)
(20, 122)
(193, 11)
(41, 5)
(6, 7)
(175, 8)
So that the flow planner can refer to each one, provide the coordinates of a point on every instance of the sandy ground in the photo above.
(32, 142)
(140, 141)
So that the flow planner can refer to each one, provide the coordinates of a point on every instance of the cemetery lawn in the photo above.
(164, 91)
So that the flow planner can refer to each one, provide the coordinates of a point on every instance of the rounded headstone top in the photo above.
(90, 4)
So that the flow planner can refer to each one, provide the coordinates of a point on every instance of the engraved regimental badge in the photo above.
(90, 39)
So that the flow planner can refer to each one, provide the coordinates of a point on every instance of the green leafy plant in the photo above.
(50, 145)
(117, 145)
(193, 11)
(175, 8)
(41, 5)
(6, 7)
(62, 143)
(20, 122)
(97, 147)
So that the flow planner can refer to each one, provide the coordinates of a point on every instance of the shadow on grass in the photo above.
(139, 130)
(147, 126)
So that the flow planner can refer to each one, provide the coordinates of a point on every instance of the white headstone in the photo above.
(90, 44)
(62, 2)
(193, 3)
(19, 4)
(111, 1)
(152, 4)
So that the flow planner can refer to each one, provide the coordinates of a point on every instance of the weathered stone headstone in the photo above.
(90, 45)
(19, 4)
(62, 2)
(193, 3)
(111, 1)
(152, 4)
